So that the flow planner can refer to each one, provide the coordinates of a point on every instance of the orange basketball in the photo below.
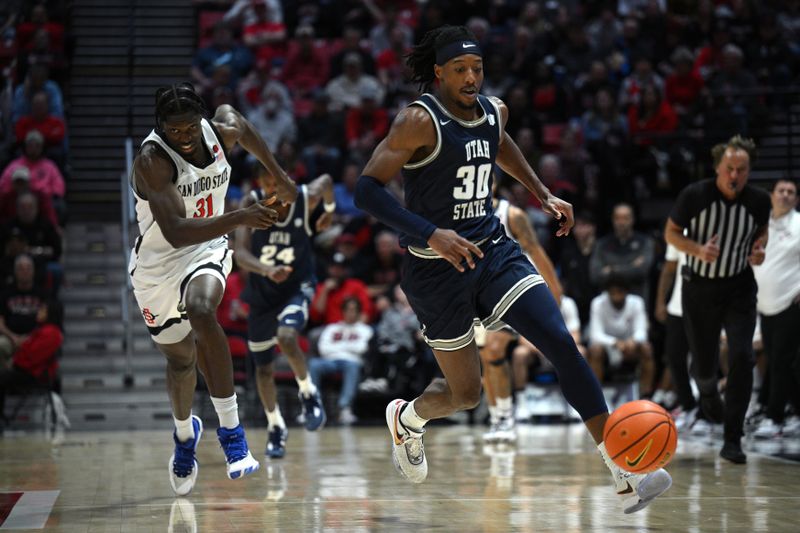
(640, 436)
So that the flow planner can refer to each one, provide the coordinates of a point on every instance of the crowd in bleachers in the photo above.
(34, 55)
(615, 104)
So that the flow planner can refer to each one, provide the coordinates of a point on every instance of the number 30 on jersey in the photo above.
(471, 191)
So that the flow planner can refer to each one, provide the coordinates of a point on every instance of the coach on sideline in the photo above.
(722, 225)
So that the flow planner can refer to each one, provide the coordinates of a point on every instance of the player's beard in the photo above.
(467, 107)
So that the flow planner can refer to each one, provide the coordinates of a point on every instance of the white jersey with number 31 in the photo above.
(203, 191)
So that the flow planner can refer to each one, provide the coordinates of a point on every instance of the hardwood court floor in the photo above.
(342, 479)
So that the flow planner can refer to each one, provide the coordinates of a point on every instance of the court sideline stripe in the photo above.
(31, 510)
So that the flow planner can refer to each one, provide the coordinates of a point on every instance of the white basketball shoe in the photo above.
(638, 490)
(408, 452)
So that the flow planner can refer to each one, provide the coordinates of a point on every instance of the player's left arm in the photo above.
(233, 128)
(523, 232)
(322, 189)
(511, 160)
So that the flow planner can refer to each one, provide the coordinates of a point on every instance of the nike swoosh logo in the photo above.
(626, 491)
(495, 241)
(638, 459)
(444, 122)
(464, 45)
(397, 439)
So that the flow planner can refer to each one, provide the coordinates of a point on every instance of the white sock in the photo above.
(307, 387)
(183, 429)
(504, 406)
(411, 419)
(609, 463)
(274, 418)
(227, 411)
(493, 413)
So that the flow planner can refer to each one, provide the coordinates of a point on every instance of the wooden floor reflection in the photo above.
(343, 480)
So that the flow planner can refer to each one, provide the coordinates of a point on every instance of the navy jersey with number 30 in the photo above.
(286, 243)
(452, 187)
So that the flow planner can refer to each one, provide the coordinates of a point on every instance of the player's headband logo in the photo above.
(456, 48)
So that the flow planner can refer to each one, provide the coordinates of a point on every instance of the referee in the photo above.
(721, 224)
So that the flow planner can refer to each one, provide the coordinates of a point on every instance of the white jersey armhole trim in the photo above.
(433, 155)
(499, 118)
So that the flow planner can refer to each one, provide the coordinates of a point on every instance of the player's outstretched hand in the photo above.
(278, 274)
(259, 216)
(324, 221)
(562, 211)
(451, 246)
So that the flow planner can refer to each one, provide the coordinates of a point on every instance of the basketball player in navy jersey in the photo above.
(461, 267)
(181, 260)
(279, 290)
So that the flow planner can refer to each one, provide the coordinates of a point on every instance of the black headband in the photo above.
(456, 48)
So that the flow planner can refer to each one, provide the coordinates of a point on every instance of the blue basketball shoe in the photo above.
(313, 411)
(276, 442)
(183, 464)
(237, 454)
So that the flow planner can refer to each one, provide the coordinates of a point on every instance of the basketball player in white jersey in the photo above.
(181, 260)
(496, 367)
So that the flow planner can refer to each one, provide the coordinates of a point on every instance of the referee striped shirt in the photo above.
(703, 212)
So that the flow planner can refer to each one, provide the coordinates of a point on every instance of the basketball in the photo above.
(640, 436)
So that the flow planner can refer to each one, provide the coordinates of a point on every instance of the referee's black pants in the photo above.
(781, 335)
(708, 305)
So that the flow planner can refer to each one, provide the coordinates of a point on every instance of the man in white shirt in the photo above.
(618, 333)
(341, 347)
(778, 279)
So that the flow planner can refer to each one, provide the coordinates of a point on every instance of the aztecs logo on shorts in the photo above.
(149, 317)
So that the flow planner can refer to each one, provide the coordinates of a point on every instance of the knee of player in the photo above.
(265, 371)
(287, 338)
(468, 398)
(200, 308)
(181, 363)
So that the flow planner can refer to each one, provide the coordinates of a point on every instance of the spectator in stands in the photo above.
(19, 306)
(222, 51)
(275, 124)
(246, 12)
(346, 90)
(388, 29)
(43, 175)
(345, 206)
(618, 334)
(306, 68)
(651, 117)
(265, 32)
(233, 310)
(366, 125)
(684, 85)
(342, 347)
(351, 43)
(733, 92)
(397, 342)
(709, 58)
(603, 124)
(630, 93)
(625, 254)
(574, 264)
(34, 359)
(498, 80)
(391, 62)
(326, 307)
(321, 134)
(261, 83)
(50, 126)
(36, 81)
(20, 184)
(589, 83)
(550, 98)
(383, 271)
(604, 31)
(39, 21)
(288, 159)
(778, 279)
(575, 54)
(769, 53)
(520, 111)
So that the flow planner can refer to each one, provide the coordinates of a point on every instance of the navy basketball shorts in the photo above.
(448, 303)
(263, 324)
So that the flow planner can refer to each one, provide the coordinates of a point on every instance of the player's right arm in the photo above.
(412, 132)
(249, 262)
(153, 173)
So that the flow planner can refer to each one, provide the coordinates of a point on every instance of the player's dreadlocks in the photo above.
(177, 99)
(423, 56)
